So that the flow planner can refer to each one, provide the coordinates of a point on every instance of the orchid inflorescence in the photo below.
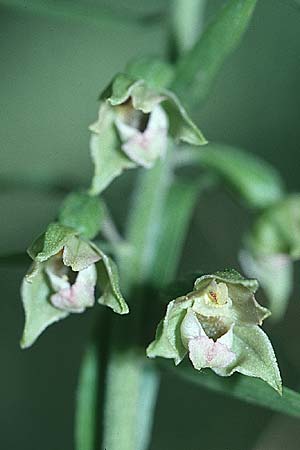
(218, 323)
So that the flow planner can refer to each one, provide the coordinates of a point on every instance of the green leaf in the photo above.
(50, 242)
(158, 74)
(275, 275)
(146, 404)
(109, 161)
(255, 356)
(109, 283)
(83, 213)
(250, 390)
(86, 404)
(198, 68)
(186, 22)
(255, 181)
(78, 12)
(39, 313)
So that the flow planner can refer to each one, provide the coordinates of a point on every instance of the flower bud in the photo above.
(270, 249)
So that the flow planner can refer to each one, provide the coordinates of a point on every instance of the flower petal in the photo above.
(204, 352)
(190, 328)
(57, 280)
(145, 147)
(80, 295)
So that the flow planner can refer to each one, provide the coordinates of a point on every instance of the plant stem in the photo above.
(180, 204)
(157, 226)
(145, 221)
(130, 392)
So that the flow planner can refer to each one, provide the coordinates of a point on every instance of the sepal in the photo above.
(255, 356)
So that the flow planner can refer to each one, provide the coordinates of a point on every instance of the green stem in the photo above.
(180, 205)
(144, 223)
(158, 223)
(130, 394)
(181, 202)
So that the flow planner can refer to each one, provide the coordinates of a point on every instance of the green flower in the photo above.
(63, 278)
(217, 325)
(135, 122)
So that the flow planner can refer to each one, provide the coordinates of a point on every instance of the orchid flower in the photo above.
(217, 324)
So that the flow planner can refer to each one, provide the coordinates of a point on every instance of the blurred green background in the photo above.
(52, 69)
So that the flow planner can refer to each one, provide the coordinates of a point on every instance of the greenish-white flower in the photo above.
(62, 280)
(217, 325)
(135, 122)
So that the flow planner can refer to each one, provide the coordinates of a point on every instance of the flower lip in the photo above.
(72, 291)
(203, 350)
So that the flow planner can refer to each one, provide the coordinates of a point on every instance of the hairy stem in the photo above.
(131, 392)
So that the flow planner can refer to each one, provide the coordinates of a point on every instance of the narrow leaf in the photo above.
(197, 69)
(186, 23)
(250, 390)
(86, 404)
(256, 182)
(146, 405)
